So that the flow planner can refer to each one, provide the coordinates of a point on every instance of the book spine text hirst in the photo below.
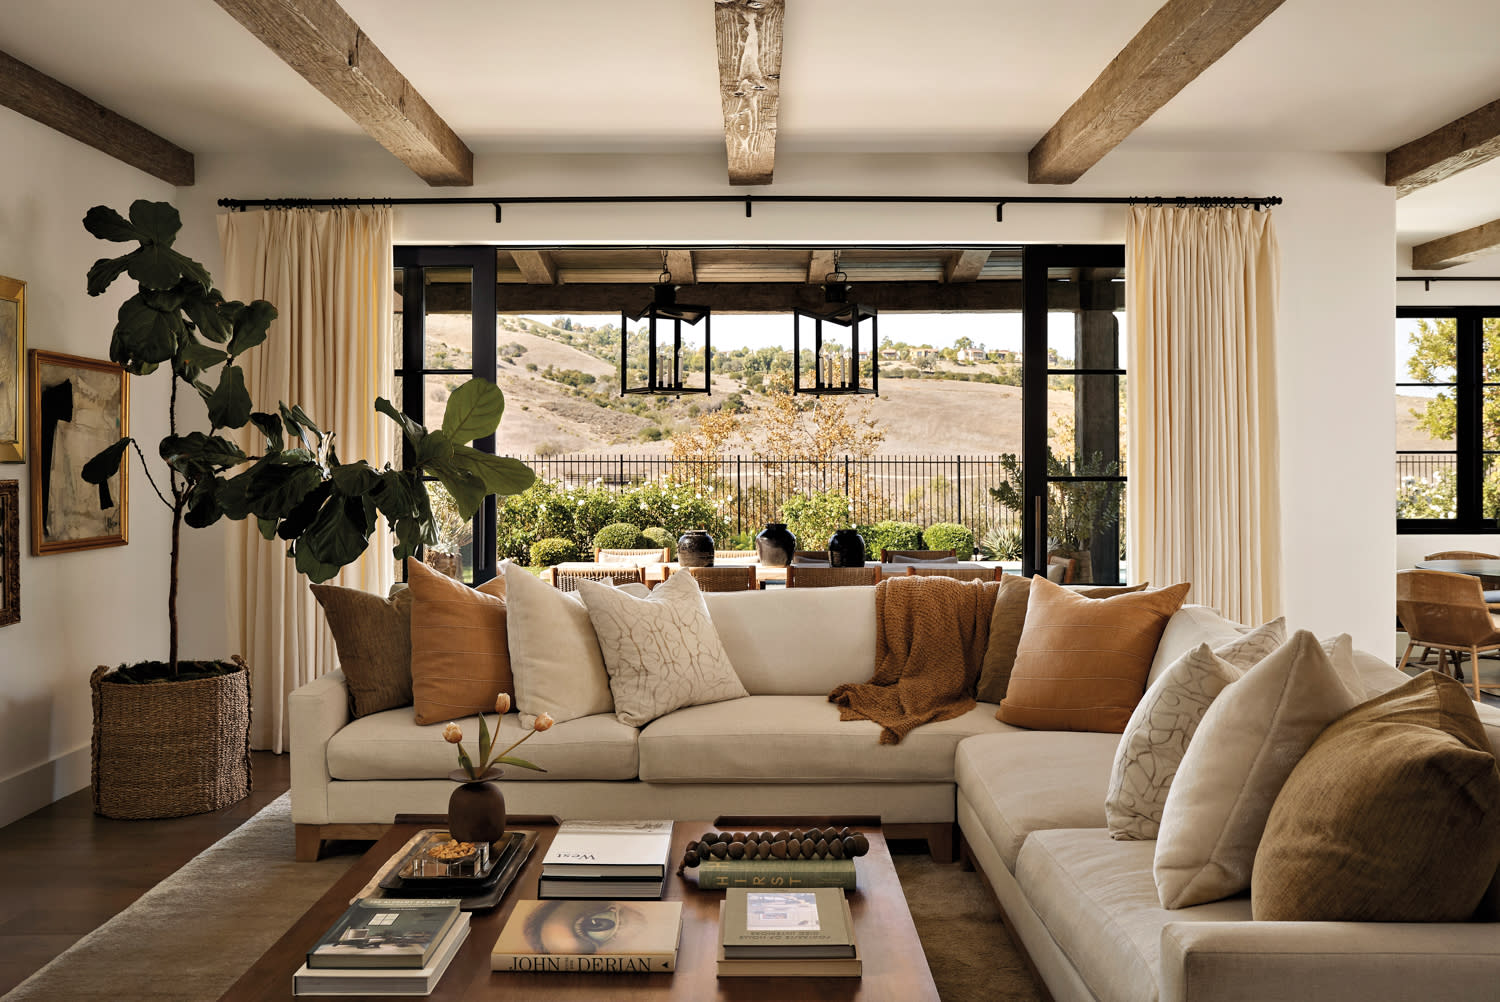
(716, 874)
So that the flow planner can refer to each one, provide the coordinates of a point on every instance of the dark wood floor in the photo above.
(64, 871)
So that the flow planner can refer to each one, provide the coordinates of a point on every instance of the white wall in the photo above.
(78, 610)
(1337, 236)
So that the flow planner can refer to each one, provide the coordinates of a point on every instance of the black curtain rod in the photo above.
(1449, 278)
(1257, 202)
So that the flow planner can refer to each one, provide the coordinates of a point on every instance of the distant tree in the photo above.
(963, 343)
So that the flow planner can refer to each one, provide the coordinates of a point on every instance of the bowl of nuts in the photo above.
(452, 851)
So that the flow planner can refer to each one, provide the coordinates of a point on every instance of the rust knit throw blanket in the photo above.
(930, 637)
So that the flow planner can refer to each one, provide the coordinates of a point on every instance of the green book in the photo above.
(717, 874)
(385, 932)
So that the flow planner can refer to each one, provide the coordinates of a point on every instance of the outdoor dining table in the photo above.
(1474, 568)
(656, 573)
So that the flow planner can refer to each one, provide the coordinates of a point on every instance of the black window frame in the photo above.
(1468, 439)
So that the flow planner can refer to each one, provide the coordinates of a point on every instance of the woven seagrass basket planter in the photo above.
(166, 749)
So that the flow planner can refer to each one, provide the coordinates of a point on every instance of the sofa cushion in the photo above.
(797, 739)
(1189, 627)
(1098, 901)
(391, 745)
(1022, 781)
(786, 642)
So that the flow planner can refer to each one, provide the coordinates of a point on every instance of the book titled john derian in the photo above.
(385, 933)
(612, 937)
(606, 859)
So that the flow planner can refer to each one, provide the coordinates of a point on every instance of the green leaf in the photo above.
(484, 743)
(250, 324)
(273, 489)
(465, 763)
(355, 479)
(196, 454)
(400, 493)
(413, 431)
(107, 224)
(106, 464)
(229, 406)
(155, 267)
(411, 533)
(513, 760)
(270, 427)
(467, 487)
(154, 222)
(203, 506)
(104, 272)
(501, 474)
(473, 411)
(193, 357)
(205, 311)
(434, 447)
(267, 527)
(316, 571)
(338, 535)
(302, 516)
(143, 334)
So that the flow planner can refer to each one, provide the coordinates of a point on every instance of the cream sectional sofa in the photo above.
(1028, 806)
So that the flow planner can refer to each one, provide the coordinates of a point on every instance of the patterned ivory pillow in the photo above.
(1164, 722)
(662, 652)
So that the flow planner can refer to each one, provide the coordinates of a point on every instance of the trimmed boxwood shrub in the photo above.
(661, 537)
(891, 535)
(547, 552)
(618, 536)
(950, 536)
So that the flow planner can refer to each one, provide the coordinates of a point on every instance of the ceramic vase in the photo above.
(775, 544)
(846, 548)
(476, 807)
(695, 549)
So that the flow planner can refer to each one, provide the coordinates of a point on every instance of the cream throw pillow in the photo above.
(662, 652)
(554, 656)
(1250, 739)
(1164, 722)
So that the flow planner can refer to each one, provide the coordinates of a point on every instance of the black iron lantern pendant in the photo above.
(658, 366)
(838, 363)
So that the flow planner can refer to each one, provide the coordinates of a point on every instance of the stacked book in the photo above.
(385, 946)
(607, 859)
(610, 937)
(807, 933)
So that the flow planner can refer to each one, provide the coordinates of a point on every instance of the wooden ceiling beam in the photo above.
(1181, 40)
(748, 34)
(537, 267)
(319, 40)
(1462, 143)
(965, 266)
(821, 264)
(1457, 248)
(680, 264)
(63, 109)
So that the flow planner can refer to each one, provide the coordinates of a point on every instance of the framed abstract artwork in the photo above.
(10, 552)
(12, 370)
(78, 407)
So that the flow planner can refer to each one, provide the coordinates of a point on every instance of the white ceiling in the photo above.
(877, 76)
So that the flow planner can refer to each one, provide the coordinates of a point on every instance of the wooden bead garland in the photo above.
(797, 843)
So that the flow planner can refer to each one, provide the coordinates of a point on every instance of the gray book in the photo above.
(809, 923)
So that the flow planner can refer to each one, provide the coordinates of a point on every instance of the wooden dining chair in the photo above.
(902, 556)
(1491, 585)
(1446, 612)
(566, 579)
(810, 576)
(721, 577)
(949, 571)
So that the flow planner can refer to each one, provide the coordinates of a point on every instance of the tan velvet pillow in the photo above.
(373, 638)
(1006, 624)
(460, 656)
(1081, 663)
(1393, 815)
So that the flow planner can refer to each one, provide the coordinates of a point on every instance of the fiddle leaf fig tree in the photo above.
(296, 488)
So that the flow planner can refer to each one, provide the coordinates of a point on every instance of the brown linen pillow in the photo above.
(1393, 815)
(1081, 663)
(373, 638)
(1005, 630)
(460, 655)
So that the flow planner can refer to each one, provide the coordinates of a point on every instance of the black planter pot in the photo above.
(846, 548)
(695, 548)
(774, 544)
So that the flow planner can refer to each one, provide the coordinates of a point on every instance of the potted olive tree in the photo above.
(172, 737)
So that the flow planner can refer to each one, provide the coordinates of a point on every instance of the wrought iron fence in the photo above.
(921, 489)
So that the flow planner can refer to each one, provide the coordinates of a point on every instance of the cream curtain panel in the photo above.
(1202, 501)
(328, 273)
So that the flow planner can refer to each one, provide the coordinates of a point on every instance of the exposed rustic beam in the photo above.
(1463, 143)
(1181, 40)
(1457, 248)
(820, 265)
(536, 266)
(319, 40)
(749, 42)
(58, 106)
(680, 264)
(965, 266)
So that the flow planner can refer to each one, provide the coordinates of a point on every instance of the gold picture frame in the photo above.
(79, 406)
(12, 370)
(10, 552)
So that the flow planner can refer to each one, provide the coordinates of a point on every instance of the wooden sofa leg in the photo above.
(309, 843)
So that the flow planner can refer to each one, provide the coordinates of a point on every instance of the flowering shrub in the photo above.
(674, 507)
(812, 518)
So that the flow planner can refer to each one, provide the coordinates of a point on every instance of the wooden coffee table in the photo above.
(895, 968)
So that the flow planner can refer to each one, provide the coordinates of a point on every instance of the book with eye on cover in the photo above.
(610, 937)
(385, 933)
(786, 924)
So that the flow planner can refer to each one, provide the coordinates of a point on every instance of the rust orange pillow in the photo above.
(1081, 664)
(460, 652)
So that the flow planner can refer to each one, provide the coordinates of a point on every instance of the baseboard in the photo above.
(37, 787)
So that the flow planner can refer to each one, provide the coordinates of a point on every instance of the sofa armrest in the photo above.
(1368, 961)
(316, 712)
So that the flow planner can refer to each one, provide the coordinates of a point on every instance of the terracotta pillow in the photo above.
(1393, 815)
(460, 658)
(373, 638)
(1006, 624)
(1081, 663)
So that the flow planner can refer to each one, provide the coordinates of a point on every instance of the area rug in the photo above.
(191, 936)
